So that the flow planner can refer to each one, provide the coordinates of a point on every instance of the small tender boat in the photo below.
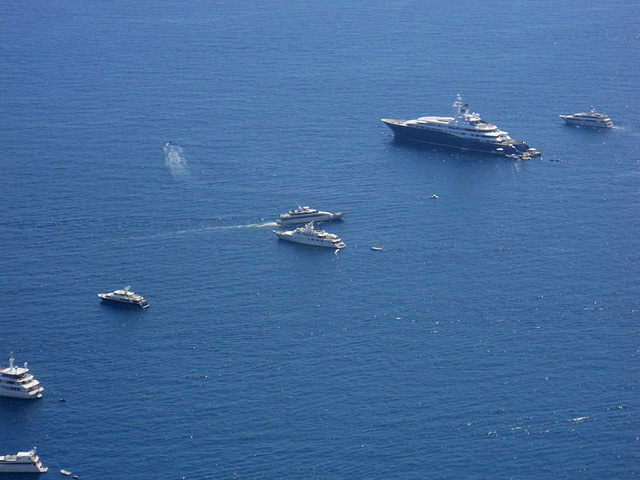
(310, 236)
(306, 214)
(124, 296)
(590, 119)
(16, 382)
(22, 462)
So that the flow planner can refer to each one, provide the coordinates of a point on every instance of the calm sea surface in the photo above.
(153, 144)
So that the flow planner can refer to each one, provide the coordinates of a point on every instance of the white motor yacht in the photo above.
(16, 382)
(306, 214)
(124, 296)
(310, 236)
(22, 462)
(590, 119)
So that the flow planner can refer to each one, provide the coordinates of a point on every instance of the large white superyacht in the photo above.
(464, 131)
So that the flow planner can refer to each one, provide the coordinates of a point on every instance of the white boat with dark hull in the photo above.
(306, 215)
(464, 131)
(591, 119)
(124, 296)
(22, 462)
(310, 236)
(16, 382)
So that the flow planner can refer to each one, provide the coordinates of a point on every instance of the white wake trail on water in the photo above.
(251, 225)
(228, 227)
(203, 229)
(175, 161)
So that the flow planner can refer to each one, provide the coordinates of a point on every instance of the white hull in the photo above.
(21, 468)
(22, 462)
(578, 122)
(21, 394)
(325, 217)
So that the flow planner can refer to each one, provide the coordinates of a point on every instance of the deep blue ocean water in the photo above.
(495, 335)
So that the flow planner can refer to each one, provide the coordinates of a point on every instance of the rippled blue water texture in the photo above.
(493, 333)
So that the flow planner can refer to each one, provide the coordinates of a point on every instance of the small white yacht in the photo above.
(16, 382)
(310, 236)
(590, 119)
(306, 214)
(22, 462)
(124, 296)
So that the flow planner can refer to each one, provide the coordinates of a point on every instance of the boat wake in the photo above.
(227, 227)
(175, 162)
(251, 225)
(205, 229)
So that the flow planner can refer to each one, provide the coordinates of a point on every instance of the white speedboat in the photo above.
(590, 119)
(16, 382)
(22, 462)
(310, 236)
(306, 215)
(124, 296)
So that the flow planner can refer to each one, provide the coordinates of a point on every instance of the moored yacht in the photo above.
(22, 462)
(465, 131)
(310, 236)
(124, 296)
(590, 119)
(16, 382)
(306, 215)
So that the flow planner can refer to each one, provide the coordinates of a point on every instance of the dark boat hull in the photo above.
(443, 139)
(124, 304)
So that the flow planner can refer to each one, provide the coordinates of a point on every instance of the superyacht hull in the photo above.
(443, 139)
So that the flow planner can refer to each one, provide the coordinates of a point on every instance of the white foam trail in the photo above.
(193, 231)
(579, 419)
(175, 161)
(252, 225)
